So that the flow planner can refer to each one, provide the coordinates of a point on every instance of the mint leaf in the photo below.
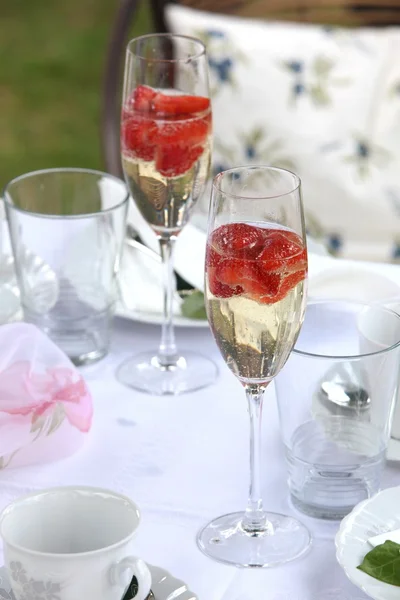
(193, 306)
(383, 563)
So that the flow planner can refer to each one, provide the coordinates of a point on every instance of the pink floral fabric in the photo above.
(43, 397)
(23, 392)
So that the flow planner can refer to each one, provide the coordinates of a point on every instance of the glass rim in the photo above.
(94, 491)
(220, 176)
(32, 174)
(194, 56)
(350, 357)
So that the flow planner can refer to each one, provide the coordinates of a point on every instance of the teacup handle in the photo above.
(138, 569)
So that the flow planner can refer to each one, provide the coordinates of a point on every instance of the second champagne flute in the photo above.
(256, 276)
(166, 152)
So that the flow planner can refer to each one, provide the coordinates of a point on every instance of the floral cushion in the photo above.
(322, 101)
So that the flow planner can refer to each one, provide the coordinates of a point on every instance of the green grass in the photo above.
(52, 56)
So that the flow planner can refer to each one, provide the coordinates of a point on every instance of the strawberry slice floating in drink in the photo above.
(239, 240)
(142, 99)
(171, 129)
(264, 264)
(179, 104)
(139, 137)
(176, 159)
(283, 250)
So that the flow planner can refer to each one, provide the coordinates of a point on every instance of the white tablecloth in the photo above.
(184, 461)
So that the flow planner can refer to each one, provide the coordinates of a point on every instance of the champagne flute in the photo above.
(256, 273)
(166, 152)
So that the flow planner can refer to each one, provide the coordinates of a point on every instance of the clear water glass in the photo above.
(336, 398)
(67, 227)
(9, 293)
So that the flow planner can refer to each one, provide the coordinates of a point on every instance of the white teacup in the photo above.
(72, 542)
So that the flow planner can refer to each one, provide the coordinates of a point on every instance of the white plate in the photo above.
(376, 515)
(164, 586)
(352, 282)
(153, 318)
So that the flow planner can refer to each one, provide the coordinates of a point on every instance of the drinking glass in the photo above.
(9, 293)
(166, 150)
(336, 397)
(256, 273)
(67, 228)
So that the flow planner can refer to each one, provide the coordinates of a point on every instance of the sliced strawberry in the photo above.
(288, 283)
(239, 239)
(141, 99)
(234, 271)
(138, 135)
(174, 160)
(213, 258)
(283, 251)
(266, 263)
(268, 288)
(245, 273)
(177, 104)
(186, 131)
(220, 290)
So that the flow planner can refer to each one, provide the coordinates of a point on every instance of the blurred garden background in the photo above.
(52, 56)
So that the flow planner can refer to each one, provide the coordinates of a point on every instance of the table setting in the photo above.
(125, 468)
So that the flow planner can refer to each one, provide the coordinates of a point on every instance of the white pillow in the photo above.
(324, 102)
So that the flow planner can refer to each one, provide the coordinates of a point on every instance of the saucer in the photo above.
(378, 514)
(164, 586)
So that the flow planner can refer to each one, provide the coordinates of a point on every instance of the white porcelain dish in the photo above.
(164, 586)
(376, 515)
(155, 318)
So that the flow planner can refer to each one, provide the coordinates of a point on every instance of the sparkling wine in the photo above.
(166, 202)
(255, 296)
(166, 151)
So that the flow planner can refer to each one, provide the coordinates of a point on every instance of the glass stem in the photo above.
(167, 352)
(254, 521)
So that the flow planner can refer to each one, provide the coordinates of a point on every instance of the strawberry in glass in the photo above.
(166, 151)
(255, 278)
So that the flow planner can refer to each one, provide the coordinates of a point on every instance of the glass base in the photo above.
(145, 374)
(225, 540)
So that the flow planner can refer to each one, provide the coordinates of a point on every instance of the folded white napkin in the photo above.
(140, 279)
(189, 251)
(140, 283)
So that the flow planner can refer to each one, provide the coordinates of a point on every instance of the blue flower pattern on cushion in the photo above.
(254, 146)
(366, 155)
(334, 243)
(296, 66)
(219, 167)
(213, 33)
(222, 58)
(315, 79)
(396, 252)
(222, 68)
(250, 151)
